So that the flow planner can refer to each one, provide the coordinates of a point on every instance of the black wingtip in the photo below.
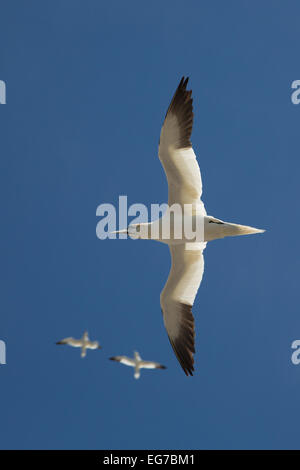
(185, 358)
(184, 345)
(182, 106)
(183, 82)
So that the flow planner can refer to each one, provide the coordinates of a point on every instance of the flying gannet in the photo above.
(84, 343)
(138, 363)
(185, 189)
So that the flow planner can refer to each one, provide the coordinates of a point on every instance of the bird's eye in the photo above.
(215, 222)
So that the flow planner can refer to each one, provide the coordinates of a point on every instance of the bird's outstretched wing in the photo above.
(175, 150)
(151, 365)
(177, 299)
(93, 345)
(76, 343)
(124, 360)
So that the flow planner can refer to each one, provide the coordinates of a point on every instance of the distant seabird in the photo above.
(84, 343)
(185, 188)
(138, 363)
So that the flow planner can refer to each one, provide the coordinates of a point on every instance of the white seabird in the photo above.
(185, 187)
(138, 363)
(84, 343)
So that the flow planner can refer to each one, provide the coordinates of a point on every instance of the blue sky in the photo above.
(88, 85)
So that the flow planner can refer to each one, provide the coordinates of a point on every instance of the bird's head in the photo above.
(216, 228)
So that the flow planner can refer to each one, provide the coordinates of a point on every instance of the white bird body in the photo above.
(186, 228)
(138, 363)
(84, 343)
(185, 190)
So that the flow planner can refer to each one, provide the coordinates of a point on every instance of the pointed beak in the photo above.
(243, 229)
